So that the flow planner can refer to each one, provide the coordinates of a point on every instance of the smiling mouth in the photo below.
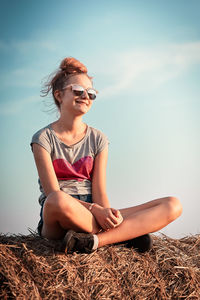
(81, 102)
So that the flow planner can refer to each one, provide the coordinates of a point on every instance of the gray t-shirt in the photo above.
(73, 164)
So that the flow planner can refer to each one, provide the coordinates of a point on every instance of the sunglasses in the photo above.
(78, 91)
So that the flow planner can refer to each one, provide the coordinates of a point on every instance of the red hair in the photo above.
(69, 67)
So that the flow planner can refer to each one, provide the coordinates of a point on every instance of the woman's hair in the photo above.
(69, 67)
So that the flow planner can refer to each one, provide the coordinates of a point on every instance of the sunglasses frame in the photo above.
(72, 85)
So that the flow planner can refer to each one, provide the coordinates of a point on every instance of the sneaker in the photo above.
(80, 242)
(141, 243)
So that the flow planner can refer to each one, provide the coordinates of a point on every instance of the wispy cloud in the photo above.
(146, 69)
(13, 107)
(26, 77)
(32, 60)
(141, 70)
(29, 62)
(28, 45)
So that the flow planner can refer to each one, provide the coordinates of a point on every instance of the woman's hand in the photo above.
(107, 218)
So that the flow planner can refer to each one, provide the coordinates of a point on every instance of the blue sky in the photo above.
(145, 58)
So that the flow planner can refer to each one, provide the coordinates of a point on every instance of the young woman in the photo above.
(71, 160)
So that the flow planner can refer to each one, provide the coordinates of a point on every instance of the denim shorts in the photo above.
(85, 198)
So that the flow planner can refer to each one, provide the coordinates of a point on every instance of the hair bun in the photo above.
(71, 65)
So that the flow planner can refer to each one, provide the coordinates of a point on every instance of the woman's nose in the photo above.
(85, 95)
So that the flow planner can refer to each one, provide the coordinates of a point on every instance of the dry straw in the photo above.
(34, 268)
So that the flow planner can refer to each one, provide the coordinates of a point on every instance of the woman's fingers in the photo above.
(108, 218)
(113, 219)
(116, 212)
(116, 216)
(110, 224)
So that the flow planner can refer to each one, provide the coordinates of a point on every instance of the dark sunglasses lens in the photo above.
(92, 94)
(77, 92)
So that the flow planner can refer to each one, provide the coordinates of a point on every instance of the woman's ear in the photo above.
(57, 95)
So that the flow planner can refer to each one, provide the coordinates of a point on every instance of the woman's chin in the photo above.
(81, 111)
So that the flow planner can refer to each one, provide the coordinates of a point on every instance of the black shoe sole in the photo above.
(141, 243)
(69, 242)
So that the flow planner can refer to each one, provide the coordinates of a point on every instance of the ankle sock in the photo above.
(96, 242)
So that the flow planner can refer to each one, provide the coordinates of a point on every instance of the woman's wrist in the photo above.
(91, 206)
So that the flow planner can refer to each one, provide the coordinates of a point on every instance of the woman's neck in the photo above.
(70, 124)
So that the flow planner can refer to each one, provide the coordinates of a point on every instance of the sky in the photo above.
(144, 57)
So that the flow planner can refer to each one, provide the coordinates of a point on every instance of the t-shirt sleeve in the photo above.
(42, 138)
(102, 142)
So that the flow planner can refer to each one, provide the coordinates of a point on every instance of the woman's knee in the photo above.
(57, 202)
(174, 207)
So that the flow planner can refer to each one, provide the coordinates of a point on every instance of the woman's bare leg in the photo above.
(168, 201)
(142, 219)
(62, 212)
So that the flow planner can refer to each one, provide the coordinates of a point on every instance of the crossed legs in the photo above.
(63, 212)
(142, 219)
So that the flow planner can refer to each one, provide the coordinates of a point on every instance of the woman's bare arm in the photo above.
(105, 215)
(99, 195)
(45, 169)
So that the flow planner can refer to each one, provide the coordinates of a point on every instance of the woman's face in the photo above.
(77, 105)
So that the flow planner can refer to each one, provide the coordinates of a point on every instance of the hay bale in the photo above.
(33, 268)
